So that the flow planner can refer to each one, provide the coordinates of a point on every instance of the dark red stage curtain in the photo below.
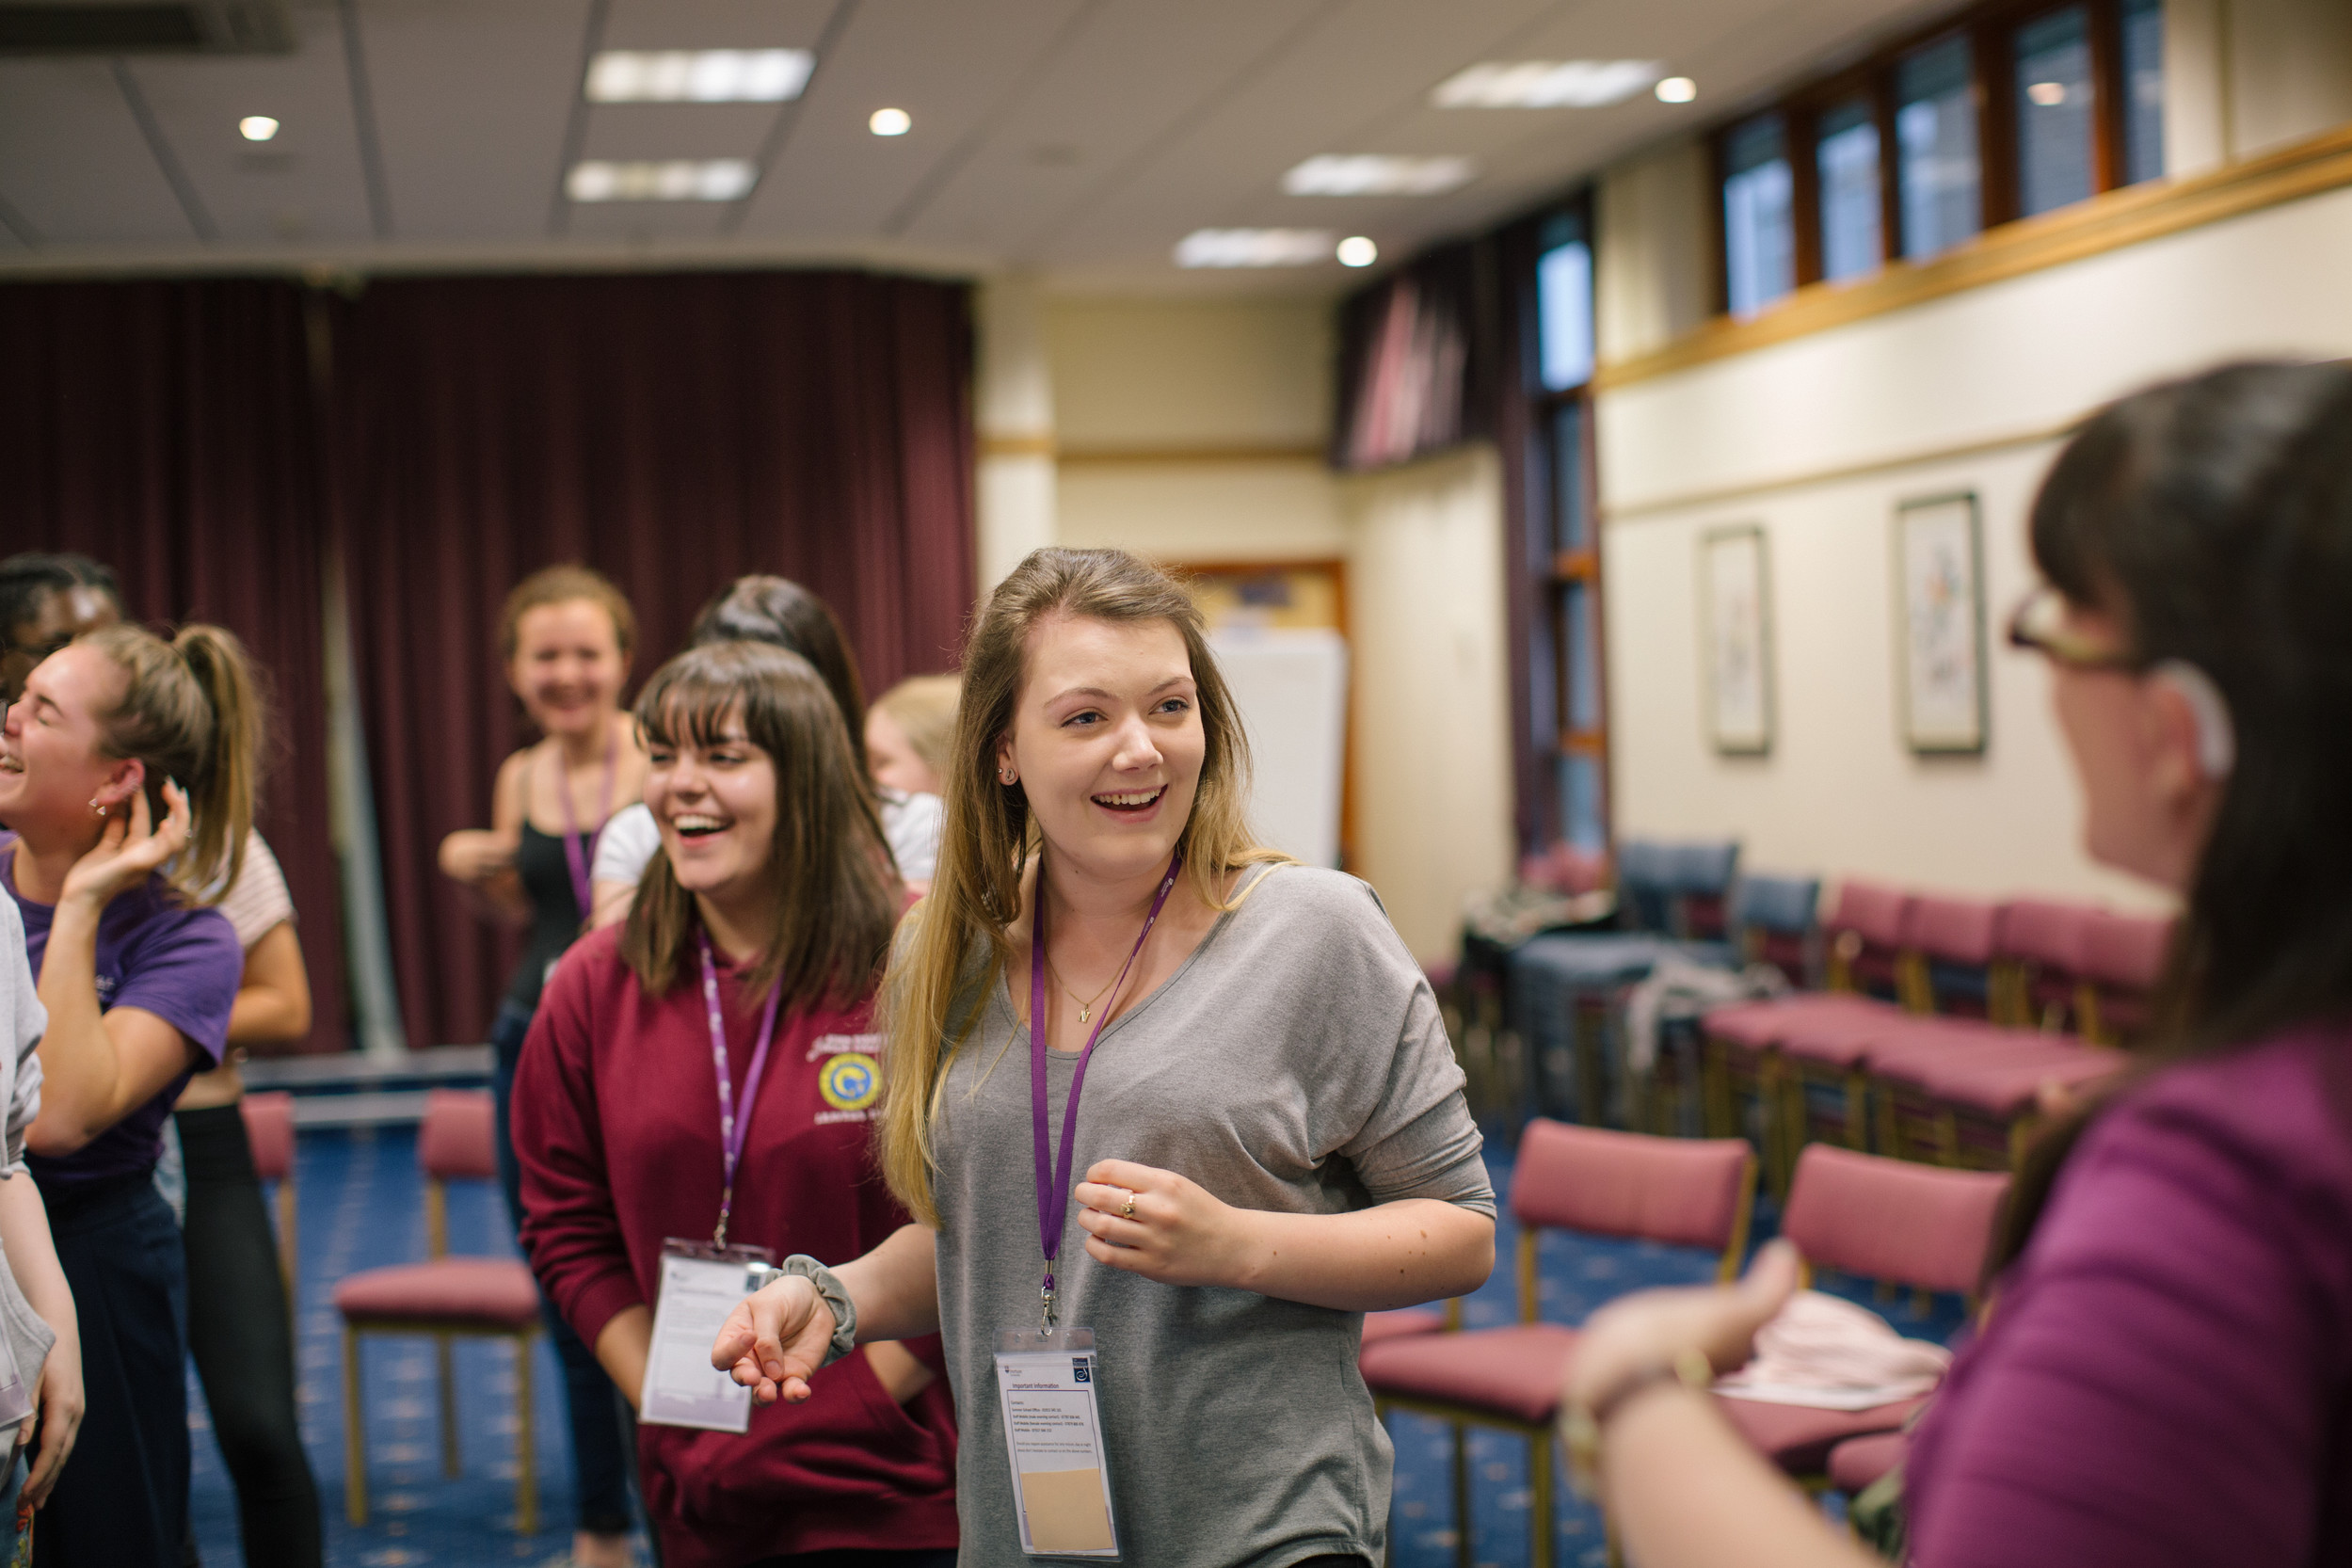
(673, 432)
(170, 430)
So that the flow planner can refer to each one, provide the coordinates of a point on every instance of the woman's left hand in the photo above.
(1178, 1233)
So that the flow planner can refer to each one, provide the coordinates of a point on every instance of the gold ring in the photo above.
(1127, 1209)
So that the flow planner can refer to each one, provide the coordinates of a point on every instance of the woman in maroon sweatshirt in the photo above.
(765, 916)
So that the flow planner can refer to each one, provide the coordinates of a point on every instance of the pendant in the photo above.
(1083, 1014)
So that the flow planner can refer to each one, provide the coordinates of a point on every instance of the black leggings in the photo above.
(123, 1499)
(243, 1343)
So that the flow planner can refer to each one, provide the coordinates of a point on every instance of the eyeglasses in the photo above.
(2039, 627)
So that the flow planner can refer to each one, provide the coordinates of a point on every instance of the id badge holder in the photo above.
(1053, 1436)
(701, 1284)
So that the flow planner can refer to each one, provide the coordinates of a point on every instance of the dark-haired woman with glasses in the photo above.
(2164, 1377)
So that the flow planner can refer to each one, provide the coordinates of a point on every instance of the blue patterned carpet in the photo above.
(361, 1206)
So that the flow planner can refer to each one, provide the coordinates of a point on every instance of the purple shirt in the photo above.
(182, 964)
(2166, 1381)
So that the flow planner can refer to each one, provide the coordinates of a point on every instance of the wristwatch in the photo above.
(1581, 1423)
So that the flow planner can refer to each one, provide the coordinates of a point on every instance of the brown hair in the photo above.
(566, 584)
(989, 835)
(191, 711)
(835, 899)
(924, 707)
(762, 609)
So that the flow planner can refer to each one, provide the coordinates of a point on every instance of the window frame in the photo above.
(1990, 27)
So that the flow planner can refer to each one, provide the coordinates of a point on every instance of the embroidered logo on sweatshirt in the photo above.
(851, 1081)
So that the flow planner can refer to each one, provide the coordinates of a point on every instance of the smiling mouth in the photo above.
(696, 825)
(1130, 800)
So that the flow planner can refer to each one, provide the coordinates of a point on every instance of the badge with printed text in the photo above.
(1054, 1437)
(700, 1285)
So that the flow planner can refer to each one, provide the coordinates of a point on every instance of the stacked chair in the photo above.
(1676, 1191)
(1671, 902)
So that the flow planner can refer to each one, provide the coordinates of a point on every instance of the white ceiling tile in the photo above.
(714, 23)
(676, 130)
(304, 185)
(646, 221)
(73, 160)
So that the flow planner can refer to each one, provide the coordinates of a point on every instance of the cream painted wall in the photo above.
(1431, 709)
(1131, 372)
(1840, 793)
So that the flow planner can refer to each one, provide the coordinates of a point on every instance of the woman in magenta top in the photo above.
(774, 865)
(2165, 1376)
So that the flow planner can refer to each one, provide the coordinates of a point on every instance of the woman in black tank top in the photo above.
(568, 635)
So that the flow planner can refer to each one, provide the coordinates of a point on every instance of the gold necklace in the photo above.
(1085, 1005)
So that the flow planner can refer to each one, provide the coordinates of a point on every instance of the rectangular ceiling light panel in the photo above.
(1253, 248)
(1373, 174)
(698, 75)
(1546, 84)
(676, 180)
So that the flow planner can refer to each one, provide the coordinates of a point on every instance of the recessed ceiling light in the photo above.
(676, 180)
(1253, 248)
(1355, 251)
(257, 127)
(1373, 174)
(2049, 95)
(698, 75)
(1544, 84)
(1676, 90)
(891, 122)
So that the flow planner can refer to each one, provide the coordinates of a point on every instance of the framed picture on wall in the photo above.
(1736, 624)
(1940, 631)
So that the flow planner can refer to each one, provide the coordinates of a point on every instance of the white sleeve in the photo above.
(912, 824)
(24, 1019)
(627, 846)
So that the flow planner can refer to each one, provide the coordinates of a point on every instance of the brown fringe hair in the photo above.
(191, 711)
(835, 899)
(989, 835)
(566, 584)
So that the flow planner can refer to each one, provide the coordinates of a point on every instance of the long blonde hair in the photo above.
(989, 833)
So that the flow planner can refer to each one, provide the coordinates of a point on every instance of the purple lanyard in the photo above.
(733, 1127)
(1053, 1176)
(579, 858)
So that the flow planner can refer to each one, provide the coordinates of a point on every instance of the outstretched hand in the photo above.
(1651, 1327)
(773, 1342)
(131, 848)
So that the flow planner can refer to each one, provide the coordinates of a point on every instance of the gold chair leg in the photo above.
(1461, 1494)
(1947, 1137)
(1540, 1499)
(450, 1466)
(526, 1446)
(1857, 1112)
(288, 1238)
(354, 1433)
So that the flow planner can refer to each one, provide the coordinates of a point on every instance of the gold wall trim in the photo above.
(1016, 446)
(2111, 221)
(1185, 457)
(1727, 494)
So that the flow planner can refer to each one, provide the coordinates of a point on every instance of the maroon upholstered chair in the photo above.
(269, 1129)
(1678, 1190)
(2037, 959)
(1859, 1463)
(1974, 1089)
(2122, 958)
(1382, 1326)
(1947, 966)
(1868, 930)
(445, 1297)
(1884, 1220)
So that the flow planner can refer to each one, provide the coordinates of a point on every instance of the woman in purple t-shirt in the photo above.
(2164, 1377)
(126, 755)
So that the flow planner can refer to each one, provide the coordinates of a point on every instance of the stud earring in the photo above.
(1007, 775)
(95, 807)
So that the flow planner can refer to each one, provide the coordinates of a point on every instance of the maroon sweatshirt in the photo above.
(617, 1125)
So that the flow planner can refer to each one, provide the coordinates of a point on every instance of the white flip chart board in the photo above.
(1291, 686)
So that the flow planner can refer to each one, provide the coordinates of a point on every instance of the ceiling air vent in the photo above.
(190, 28)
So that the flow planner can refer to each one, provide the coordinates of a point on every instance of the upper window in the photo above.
(1846, 152)
(1935, 122)
(2143, 89)
(1759, 215)
(2054, 111)
(1563, 313)
(2015, 107)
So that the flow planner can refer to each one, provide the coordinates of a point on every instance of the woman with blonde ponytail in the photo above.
(1234, 1054)
(128, 770)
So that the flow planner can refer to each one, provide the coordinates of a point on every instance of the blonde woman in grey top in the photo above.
(1271, 1133)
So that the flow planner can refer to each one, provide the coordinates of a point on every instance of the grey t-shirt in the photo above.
(1295, 1063)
